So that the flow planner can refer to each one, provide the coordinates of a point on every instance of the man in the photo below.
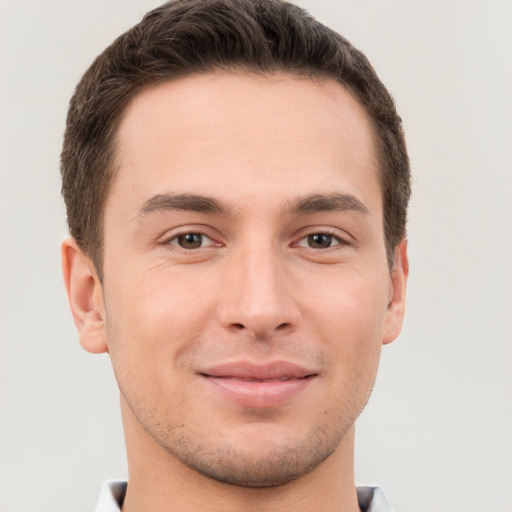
(236, 182)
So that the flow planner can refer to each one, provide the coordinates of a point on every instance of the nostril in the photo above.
(239, 326)
(282, 326)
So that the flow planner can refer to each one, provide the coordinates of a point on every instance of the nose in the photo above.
(258, 296)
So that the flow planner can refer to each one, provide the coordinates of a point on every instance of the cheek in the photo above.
(350, 318)
(349, 304)
(155, 318)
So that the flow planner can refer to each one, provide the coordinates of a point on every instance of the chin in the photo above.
(257, 471)
(256, 461)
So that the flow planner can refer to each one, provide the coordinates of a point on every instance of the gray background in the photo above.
(437, 432)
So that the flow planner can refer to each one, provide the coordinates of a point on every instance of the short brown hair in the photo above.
(186, 37)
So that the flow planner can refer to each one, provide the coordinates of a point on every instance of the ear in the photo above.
(396, 305)
(85, 296)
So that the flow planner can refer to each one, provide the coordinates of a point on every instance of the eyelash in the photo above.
(323, 232)
(173, 242)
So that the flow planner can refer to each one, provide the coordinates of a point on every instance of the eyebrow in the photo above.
(332, 202)
(304, 205)
(183, 202)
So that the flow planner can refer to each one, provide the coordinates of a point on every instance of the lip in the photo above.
(259, 385)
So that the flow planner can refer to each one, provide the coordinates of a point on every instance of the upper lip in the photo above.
(246, 370)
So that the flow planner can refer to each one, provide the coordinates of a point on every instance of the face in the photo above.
(246, 291)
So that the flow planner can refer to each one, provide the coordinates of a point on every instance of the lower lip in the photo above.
(259, 394)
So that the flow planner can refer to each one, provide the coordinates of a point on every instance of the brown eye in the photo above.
(320, 240)
(190, 240)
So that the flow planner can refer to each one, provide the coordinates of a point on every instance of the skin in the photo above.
(268, 272)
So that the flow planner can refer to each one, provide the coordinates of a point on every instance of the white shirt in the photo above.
(371, 499)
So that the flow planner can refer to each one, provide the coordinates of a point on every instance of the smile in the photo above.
(259, 386)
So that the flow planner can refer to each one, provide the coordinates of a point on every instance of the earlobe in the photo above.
(396, 306)
(85, 297)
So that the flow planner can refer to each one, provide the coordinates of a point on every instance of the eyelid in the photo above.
(337, 241)
(342, 236)
(175, 240)
(173, 235)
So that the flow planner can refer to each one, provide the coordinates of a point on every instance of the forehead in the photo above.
(249, 132)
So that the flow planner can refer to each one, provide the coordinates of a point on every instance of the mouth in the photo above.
(259, 386)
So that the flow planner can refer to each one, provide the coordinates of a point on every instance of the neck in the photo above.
(158, 481)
